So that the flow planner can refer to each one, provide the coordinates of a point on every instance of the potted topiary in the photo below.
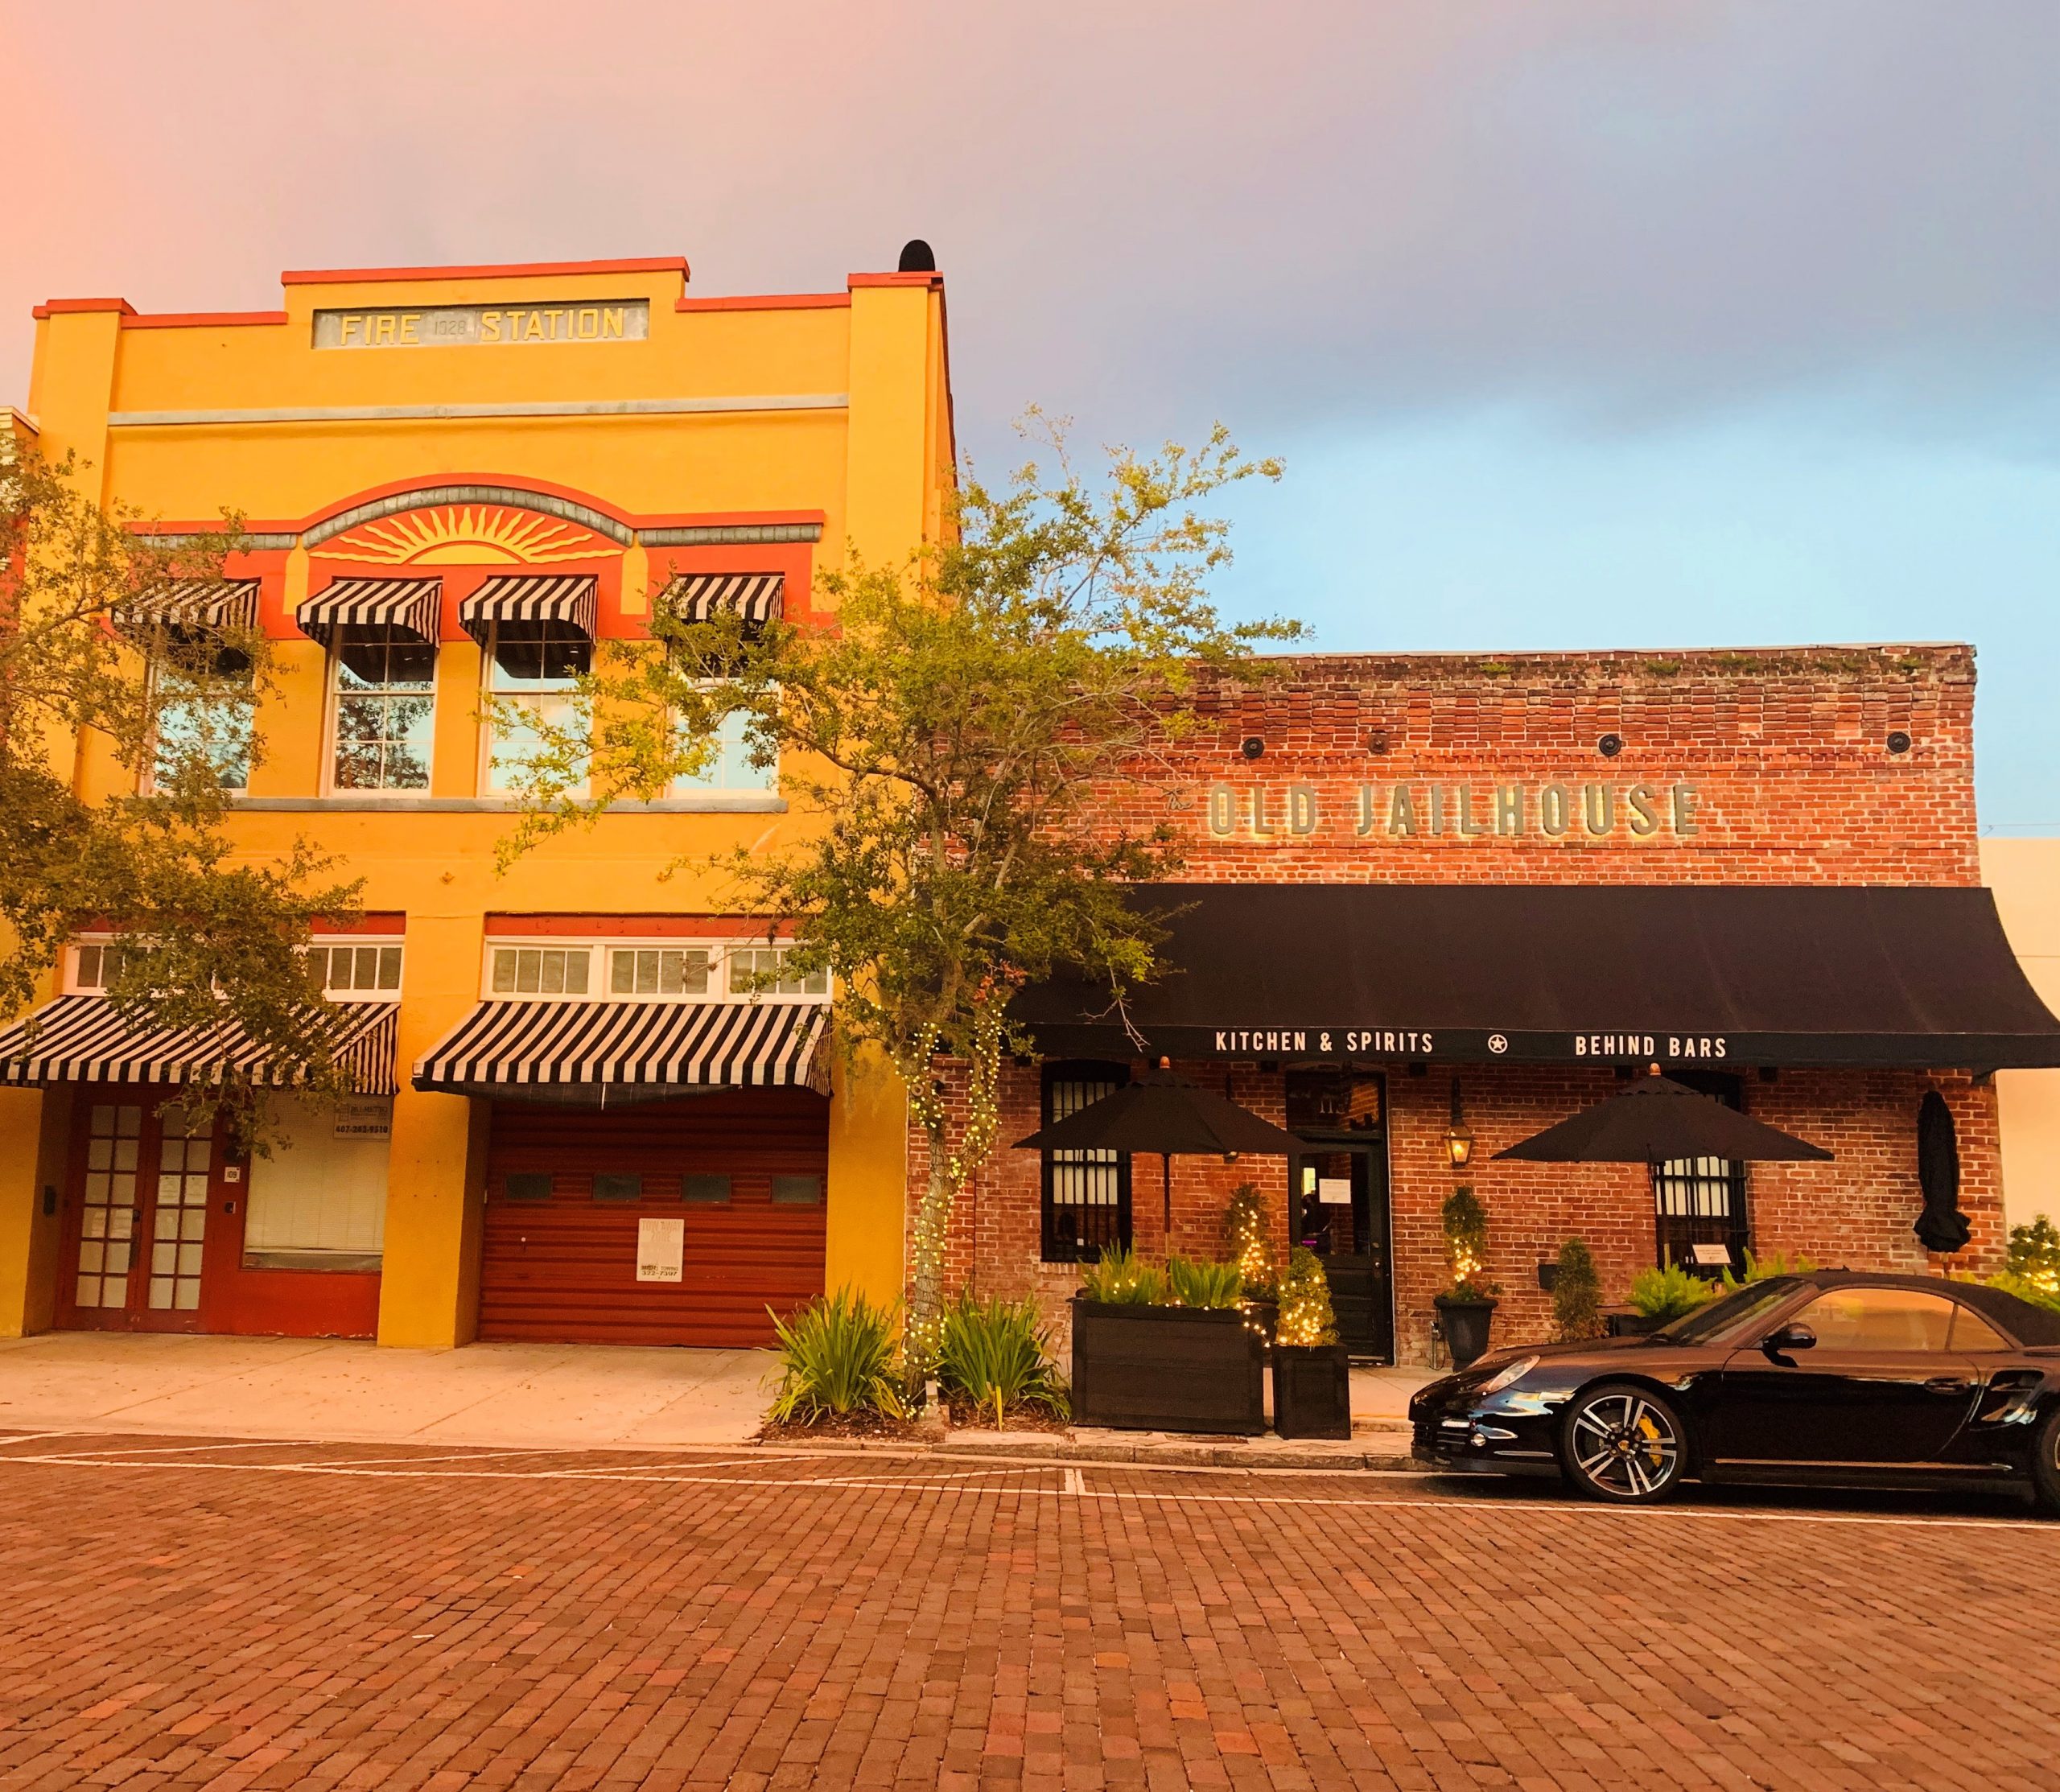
(1170, 1349)
(1250, 1242)
(1466, 1307)
(1312, 1374)
(1577, 1294)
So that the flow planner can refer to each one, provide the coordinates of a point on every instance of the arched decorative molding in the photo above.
(431, 496)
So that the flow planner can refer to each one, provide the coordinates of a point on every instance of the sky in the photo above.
(1577, 323)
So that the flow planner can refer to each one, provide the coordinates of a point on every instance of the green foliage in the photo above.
(2034, 1254)
(1192, 1282)
(1251, 1241)
(837, 1356)
(959, 726)
(1306, 1317)
(1465, 1223)
(91, 645)
(1577, 1294)
(1761, 1269)
(2025, 1288)
(1119, 1279)
(1667, 1294)
(994, 1353)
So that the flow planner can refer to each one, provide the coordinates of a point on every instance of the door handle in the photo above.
(1948, 1384)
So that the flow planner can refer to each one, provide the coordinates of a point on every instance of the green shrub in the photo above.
(1250, 1242)
(1119, 1280)
(1761, 1269)
(2025, 1288)
(1577, 1294)
(993, 1352)
(2034, 1254)
(1465, 1223)
(1667, 1294)
(1306, 1317)
(1193, 1282)
(836, 1355)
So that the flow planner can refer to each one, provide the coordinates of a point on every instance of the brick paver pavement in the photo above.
(347, 1617)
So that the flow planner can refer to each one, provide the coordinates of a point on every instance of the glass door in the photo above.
(1341, 1212)
(140, 1189)
(105, 1251)
(179, 1227)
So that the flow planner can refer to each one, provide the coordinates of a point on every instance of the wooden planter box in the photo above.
(1167, 1368)
(1311, 1391)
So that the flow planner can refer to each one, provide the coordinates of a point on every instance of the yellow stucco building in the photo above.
(457, 483)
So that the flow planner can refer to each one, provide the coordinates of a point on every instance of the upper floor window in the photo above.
(207, 714)
(532, 675)
(358, 969)
(94, 964)
(729, 766)
(383, 692)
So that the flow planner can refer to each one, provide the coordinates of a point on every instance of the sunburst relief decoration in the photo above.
(471, 534)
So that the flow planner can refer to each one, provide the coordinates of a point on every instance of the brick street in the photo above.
(190, 1614)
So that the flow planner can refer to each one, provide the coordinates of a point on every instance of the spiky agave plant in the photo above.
(836, 1355)
(994, 1353)
(1193, 1282)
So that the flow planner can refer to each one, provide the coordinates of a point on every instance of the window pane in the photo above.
(90, 967)
(1878, 1318)
(1971, 1331)
(618, 1187)
(531, 656)
(528, 970)
(575, 972)
(797, 1191)
(389, 967)
(503, 971)
(552, 982)
(622, 972)
(713, 1191)
(646, 974)
(528, 1185)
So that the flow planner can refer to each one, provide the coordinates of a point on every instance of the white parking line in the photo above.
(955, 1485)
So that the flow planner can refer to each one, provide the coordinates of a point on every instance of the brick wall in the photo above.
(1790, 779)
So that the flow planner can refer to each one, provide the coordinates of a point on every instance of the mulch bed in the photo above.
(831, 1424)
(966, 1416)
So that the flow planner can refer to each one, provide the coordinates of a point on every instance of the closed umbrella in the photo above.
(1659, 1121)
(1941, 1226)
(1167, 1113)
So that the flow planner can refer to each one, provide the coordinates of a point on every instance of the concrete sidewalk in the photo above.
(546, 1396)
(326, 1389)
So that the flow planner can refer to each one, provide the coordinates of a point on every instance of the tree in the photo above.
(958, 727)
(1577, 1294)
(108, 632)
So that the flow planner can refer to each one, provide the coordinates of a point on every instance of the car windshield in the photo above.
(1721, 1319)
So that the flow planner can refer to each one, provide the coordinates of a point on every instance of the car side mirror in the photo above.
(1777, 1345)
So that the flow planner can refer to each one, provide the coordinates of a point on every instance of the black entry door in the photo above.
(1339, 1209)
(1878, 1387)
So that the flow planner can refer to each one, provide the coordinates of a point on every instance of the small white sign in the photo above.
(1334, 1191)
(363, 1117)
(1712, 1256)
(660, 1246)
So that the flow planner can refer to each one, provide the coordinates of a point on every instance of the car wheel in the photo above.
(2045, 1463)
(1623, 1444)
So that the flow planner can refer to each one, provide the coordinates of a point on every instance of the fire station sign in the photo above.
(483, 326)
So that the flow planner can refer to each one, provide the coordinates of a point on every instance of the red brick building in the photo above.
(1437, 895)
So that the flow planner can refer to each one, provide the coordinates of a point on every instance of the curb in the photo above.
(1031, 1447)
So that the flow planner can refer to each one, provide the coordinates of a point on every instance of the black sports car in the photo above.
(1896, 1381)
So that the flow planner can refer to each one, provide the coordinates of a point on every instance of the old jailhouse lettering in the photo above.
(468, 326)
(1587, 810)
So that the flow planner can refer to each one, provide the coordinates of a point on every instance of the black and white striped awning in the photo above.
(634, 1051)
(754, 596)
(567, 597)
(82, 1038)
(190, 604)
(407, 606)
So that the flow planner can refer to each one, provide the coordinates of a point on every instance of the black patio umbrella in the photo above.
(1167, 1113)
(1941, 1226)
(1659, 1121)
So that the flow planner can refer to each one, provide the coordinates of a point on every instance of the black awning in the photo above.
(1712, 975)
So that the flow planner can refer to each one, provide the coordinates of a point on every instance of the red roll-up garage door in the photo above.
(568, 1188)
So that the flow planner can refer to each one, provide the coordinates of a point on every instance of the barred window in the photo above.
(1086, 1193)
(1700, 1201)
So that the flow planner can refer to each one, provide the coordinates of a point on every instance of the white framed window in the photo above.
(730, 766)
(218, 723)
(538, 970)
(747, 962)
(533, 669)
(658, 970)
(319, 1201)
(358, 969)
(93, 963)
(382, 709)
